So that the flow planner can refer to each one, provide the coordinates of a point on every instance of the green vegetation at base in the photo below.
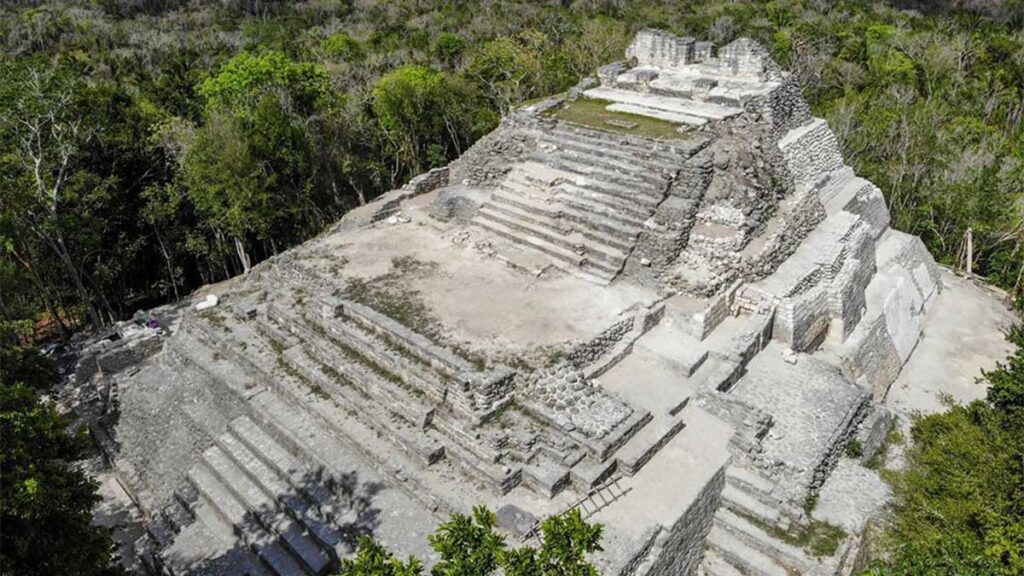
(959, 502)
(45, 502)
(469, 546)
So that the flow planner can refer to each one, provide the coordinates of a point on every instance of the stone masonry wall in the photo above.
(659, 245)
(661, 49)
(801, 321)
(811, 153)
(491, 157)
(683, 548)
(592, 349)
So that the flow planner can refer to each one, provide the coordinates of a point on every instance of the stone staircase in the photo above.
(741, 539)
(581, 199)
(269, 496)
(287, 531)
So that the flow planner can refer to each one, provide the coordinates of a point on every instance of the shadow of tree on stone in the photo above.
(330, 512)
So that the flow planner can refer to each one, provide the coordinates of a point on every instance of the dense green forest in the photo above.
(150, 146)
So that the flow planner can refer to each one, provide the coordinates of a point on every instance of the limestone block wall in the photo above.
(784, 108)
(897, 298)
(806, 213)
(846, 293)
(801, 321)
(491, 157)
(744, 57)
(870, 205)
(682, 548)
(589, 351)
(811, 153)
(661, 49)
(659, 245)
(703, 323)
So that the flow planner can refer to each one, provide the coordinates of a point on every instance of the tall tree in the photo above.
(45, 503)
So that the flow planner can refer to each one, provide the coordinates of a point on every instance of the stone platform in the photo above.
(669, 282)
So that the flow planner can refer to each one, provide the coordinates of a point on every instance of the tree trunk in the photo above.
(243, 258)
(167, 260)
(76, 278)
(44, 295)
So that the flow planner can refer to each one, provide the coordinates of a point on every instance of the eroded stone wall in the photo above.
(683, 546)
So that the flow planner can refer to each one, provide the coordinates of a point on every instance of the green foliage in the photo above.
(959, 503)
(1006, 390)
(244, 80)
(45, 503)
(344, 47)
(423, 113)
(469, 546)
(567, 541)
(449, 48)
(373, 560)
(26, 366)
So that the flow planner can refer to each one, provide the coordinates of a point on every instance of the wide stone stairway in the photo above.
(743, 537)
(276, 504)
(581, 199)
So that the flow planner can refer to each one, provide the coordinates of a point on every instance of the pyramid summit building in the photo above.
(663, 299)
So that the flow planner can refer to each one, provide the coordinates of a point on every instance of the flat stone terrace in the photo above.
(475, 298)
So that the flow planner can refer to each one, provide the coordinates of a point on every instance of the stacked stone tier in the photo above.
(583, 198)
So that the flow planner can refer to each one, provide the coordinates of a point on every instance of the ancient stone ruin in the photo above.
(662, 298)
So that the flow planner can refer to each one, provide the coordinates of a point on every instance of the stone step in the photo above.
(632, 156)
(272, 453)
(234, 513)
(162, 532)
(715, 565)
(562, 257)
(638, 183)
(575, 241)
(643, 198)
(265, 509)
(751, 482)
(589, 473)
(383, 405)
(597, 202)
(281, 490)
(747, 504)
(840, 188)
(611, 222)
(646, 442)
(785, 554)
(658, 114)
(745, 558)
(695, 108)
(146, 560)
(624, 164)
(622, 144)
(571, 248)
(557, 222)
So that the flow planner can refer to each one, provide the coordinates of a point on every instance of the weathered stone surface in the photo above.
(678, 334)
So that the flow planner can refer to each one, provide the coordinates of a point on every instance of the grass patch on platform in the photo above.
(592, 113)
(816, 537)
(390, 295)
